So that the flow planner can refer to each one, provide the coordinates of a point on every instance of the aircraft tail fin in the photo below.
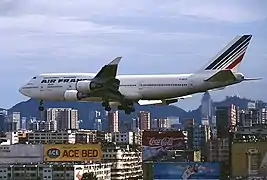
(230, 56)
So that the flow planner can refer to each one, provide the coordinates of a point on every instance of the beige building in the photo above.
(113, 121)
(144, 120)
(66, 118)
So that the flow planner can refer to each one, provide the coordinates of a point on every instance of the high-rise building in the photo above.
(263, 114)
(97, 121)
(23, 123)
(113, 121)
(66, 118)
(201, 135)
(13, 122)
(144, 120)
(134, 125)
(3, 118)
(251, 116)
(225, 120)
(206, 107)
(188, 125)
(162, 123)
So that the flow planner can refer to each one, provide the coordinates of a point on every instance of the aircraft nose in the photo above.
(21, 90)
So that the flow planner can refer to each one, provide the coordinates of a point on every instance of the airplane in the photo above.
(122, 91)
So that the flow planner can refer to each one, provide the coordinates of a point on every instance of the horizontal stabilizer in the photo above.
(161, 102)
(252, 79)
(222, 76)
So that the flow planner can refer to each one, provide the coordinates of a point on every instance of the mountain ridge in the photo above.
(86, 109)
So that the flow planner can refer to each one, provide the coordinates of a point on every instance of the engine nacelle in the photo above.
(87, 86)
(74, 95)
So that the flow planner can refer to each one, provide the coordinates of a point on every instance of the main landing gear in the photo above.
(106, 105)
(41, 107)
(128, 109)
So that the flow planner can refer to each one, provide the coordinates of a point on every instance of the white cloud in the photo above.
(229, 11)
(49, 35)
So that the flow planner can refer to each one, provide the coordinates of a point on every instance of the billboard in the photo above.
(21, 153)
(249, 159)
(72, 152)
(186, 170)
(155, 144)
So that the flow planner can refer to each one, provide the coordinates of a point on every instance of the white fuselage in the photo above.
(135, 87)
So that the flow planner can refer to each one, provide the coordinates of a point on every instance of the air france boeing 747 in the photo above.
(122, 91)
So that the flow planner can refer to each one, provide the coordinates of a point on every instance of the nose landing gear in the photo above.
(41, 107)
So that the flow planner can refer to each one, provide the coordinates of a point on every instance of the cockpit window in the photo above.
(34, 78)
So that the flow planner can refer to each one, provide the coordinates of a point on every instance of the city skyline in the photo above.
(161, 37)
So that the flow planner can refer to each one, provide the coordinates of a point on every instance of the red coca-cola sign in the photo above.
(163, 139)
(167, 141)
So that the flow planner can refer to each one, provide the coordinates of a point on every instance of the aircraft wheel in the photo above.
(41, 108)
(108, 108)
(104, 104)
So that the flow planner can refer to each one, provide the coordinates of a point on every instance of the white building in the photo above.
(123, 137)
(127, 162)
(127, 137)
(51, 137)
(12, 137)
(54, 172)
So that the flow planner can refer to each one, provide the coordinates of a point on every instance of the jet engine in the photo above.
(74, 95)
(87, 86)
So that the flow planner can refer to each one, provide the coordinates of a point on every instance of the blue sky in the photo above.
(153, 36)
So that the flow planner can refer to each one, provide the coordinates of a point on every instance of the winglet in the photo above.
(110, 70)
(115, 61)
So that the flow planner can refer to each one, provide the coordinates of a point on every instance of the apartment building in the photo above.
(218, 150)
(44, 137)
(127, 161)
(54, 172)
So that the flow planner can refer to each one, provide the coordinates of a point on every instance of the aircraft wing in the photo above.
(106, 77)
(161, 102)
(109, 71)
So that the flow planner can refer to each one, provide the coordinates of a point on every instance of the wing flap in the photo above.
(161, 102)
(222, 76)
